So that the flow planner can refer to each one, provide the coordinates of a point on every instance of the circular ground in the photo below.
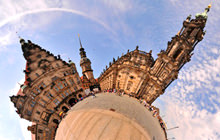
(109, 117)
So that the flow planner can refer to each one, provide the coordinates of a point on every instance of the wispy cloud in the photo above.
(193, 103)
(23, 126)
(16, 16)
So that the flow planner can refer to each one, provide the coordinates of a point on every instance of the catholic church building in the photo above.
(53, 86)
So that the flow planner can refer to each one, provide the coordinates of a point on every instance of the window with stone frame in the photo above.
(29, 112)
(64, 83)
(56, 88)
(56, 102)
(38, 90)
(42, 102)
(177, 53)
(129, 85)
(35, 120)
(78, 81)
(32, 103)
(41, 86)
(57, 65)
(71, 82)
(75, 88)
(65, 73)
(74, 71)
(45, 116)
(49, 95)
(63, 95)
(22, 100)
(33, 94)
(37, 74)
(66, 93)
(69, 91)
(54, 78)
(60, 85)
(38, 112)
(40, 131)
(19, 106)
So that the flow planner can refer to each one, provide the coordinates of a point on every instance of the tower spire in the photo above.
(80, 41)
(82, 51)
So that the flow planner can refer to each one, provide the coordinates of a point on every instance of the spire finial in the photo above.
(204, 14)
(210, 5)
(20, 39)
(80, 41)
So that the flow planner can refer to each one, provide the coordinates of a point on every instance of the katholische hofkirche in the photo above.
(61, 104)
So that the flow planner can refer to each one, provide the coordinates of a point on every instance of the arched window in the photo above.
(55, 121)
(79, 95)
(177, 53)
(129, 85)
(65, 109)
(72, 101)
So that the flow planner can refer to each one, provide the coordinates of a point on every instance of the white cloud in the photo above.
(12, 18)
(193, 103)
(119, 5)
(23, 125)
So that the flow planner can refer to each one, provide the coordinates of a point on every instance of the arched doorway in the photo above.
(55, 121)
(65, 109)
(72, 101)
(79, 95)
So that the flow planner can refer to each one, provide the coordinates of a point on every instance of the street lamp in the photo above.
(173, 128)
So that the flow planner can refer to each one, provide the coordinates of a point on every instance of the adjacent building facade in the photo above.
(52, 86)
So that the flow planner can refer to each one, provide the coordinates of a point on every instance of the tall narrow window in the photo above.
(65, 84)
(78, 81)
(43, 102)
(43, 85)
(37, 74)
(49, 95)
(71, 82)
(32, 103)
(60, 85)
(62, 95)
(56, 102)
(29, 112)
(56, 88)
(38, 90)
(33, 94)
(74, 71)
(129, 85)
(177, 53)
(66, 93)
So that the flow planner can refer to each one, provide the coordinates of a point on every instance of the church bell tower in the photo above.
(85, 64)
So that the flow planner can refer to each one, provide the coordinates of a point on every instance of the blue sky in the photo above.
(108, 29)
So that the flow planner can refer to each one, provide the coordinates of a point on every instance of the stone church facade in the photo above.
(52, 86)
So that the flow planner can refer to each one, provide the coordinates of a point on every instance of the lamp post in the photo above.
(173, 128)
